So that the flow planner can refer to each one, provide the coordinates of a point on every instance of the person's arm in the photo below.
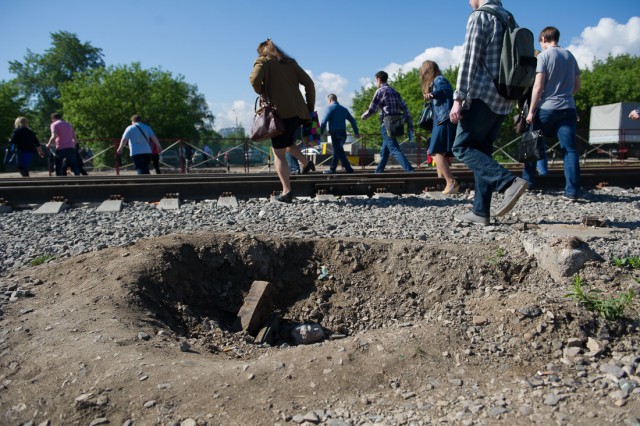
(156, 142)
(325, 119)
(475, 43)
(373, 106)
(407, 115)
(354, 124)
(536, 94)
(577, 84)
(122, 142)
(309, 88)
(257, 76)
(52, 138)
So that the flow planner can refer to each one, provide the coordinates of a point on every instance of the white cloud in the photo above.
(608, 37)
(226, 114)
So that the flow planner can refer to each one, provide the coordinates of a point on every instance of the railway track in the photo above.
(17, 191)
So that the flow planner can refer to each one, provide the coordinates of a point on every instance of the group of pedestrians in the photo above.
(467, 121)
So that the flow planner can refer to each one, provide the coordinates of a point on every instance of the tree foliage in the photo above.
(12, 105)
(607, 82)
(39, 76)
(101, 102)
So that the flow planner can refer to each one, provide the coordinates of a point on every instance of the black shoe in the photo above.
(285, 198)
(309, 166)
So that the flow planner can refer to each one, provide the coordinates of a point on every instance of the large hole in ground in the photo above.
(198, 285)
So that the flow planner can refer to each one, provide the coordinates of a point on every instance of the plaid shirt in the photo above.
(482, 45)
(389, 101)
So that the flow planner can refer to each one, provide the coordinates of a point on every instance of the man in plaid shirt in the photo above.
(479, 111)
(389, 102)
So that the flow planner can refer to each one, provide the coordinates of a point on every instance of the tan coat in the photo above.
(283, 85)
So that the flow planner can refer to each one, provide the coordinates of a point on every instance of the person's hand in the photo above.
(634, 115)
(428, 96)
(362, 117)
(530, 117)
(456, 112)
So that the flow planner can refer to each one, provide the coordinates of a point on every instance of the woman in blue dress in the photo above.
(439, 92)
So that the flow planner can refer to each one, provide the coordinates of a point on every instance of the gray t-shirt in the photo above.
(560, 69)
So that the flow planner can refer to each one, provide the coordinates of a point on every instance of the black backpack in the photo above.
(517, 70)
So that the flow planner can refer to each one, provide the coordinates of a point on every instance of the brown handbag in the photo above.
(267, 124)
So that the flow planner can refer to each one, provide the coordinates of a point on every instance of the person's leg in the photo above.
(338, 141)
(394, 148)
(141, 163)
(566, 126)
(282, 168)
(71, 158)
(24, 161)
(294, 166)
(473, 146)
(529, 172)
(294, 150)
(443, 166)
(155, 158)
(384, 151)
(58, 164)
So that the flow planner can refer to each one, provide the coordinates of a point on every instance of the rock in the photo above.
(552, 399)
(562, 257)
(143, 336)
(574, 343)
(530, 311)
(307, 333)
(149, 404)
(612, 370)
(99, 421)
(595, 348)
(185, 346)
(188, 422)
(480, 320)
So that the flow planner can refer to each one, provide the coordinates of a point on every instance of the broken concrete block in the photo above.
(307, 333)
(256, 308)
(561, 257)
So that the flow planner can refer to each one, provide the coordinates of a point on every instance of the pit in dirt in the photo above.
(196, 285)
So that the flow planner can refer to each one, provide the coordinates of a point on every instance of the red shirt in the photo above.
(65, 136)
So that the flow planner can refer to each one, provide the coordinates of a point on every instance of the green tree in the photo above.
(101, 102)
(12, 105)
(614, 80)
(39, 76)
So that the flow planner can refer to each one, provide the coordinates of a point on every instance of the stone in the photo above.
(612, 370)
(552, 399)
(185, 346)
(99, 421)
(595, 348)
(188, 422)
(479, 320)
(307, 333)
(143, 336)
(574, 343)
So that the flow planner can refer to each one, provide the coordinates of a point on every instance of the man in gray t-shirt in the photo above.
(553, 107)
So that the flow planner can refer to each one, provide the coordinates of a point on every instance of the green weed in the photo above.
(592, 300)
(632, 262)
(500, 253)
(41, 259)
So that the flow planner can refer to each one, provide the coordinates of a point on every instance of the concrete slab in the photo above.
(228, 201)
(110, 206)
(384, 195)
(169, 204)
(585, 233)
(326, 197)
(52, 207)
(256, 308)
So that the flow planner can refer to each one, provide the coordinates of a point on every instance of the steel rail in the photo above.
(258, 185)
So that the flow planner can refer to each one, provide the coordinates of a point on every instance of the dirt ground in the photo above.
(413, 329)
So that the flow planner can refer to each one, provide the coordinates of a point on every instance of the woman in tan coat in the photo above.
(277, 76)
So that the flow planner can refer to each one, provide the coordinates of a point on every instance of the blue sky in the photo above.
(340, 43)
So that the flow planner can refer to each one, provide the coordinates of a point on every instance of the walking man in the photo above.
(389, 102)
(140, 137)
(335, 116)
(64, 136)
(553, 107)
(479, 110)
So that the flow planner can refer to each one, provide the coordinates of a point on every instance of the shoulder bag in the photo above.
(394, 123)
(531, 147)
(267, 124)
(426, 117)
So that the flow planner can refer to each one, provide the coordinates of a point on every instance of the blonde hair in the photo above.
(428, 72)
(21, 122)
(269, 50)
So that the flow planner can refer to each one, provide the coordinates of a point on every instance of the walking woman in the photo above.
(438, 90)
(26, 143)
(277, 76)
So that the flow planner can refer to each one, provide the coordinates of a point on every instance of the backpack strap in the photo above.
(511, 24)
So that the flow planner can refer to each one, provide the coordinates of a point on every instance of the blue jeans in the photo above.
(141, 163)
(24, 161)
(294, 166)
(541, 167)
(390, 145)
(562, 123)
(473, 145)
(338, 138)
(71, 157)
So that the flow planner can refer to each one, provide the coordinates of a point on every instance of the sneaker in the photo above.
(286, 198)
(572, 198)
(471, 217)
(511, 196)
(329, 172)
(309, 167)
